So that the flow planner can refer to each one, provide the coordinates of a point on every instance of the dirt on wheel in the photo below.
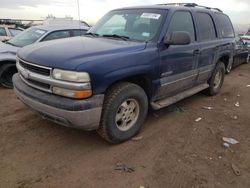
(172, 150)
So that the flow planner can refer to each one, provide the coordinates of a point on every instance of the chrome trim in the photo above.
(35, 65)
(34, 86)
(166, 73)
(203, 72)
(168, 83)
(27, 74)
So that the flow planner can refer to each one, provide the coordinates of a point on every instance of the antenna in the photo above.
(79, 17)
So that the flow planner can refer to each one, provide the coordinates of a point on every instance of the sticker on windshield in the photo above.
(40, 31)
(146, 34)
(151, 16)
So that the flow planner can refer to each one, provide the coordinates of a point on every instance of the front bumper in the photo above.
(83, 114)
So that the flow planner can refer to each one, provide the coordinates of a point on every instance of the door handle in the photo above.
(196, 52)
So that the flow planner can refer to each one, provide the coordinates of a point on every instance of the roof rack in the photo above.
(191, 5)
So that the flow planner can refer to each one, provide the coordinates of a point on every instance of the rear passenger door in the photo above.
(208, 40)
(178, 62)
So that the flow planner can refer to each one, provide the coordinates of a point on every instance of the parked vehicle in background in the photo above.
(246, 38)
(51, 29)
(7, 32)
(241, 52)
(131, 59)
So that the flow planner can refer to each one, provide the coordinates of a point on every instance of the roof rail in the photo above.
(191, 5)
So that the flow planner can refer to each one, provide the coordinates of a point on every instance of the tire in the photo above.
(229, 68)
(124, 111)
(216, 80)
(8, 71)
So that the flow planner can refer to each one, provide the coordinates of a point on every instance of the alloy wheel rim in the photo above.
(217, 79)
(127, 114)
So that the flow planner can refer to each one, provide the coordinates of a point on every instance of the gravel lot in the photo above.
(175, 151)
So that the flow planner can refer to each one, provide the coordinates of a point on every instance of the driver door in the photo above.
(178, 62)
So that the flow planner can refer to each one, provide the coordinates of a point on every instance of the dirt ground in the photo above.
(175, 151)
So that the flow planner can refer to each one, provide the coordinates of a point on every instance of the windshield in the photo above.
(248, 33)
(27, 37)
(139, 25)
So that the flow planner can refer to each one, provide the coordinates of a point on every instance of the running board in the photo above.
(171, 100)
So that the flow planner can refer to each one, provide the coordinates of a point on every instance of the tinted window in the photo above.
(226, 28)
(182, 21)
(248, 33)
(14, 32)
(78, 32)
(2, 31)
(206, 26)
(57, 35)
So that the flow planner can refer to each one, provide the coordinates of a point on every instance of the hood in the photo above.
(72, 52)
(7, 48)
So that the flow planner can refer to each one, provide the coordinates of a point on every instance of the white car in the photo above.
(51, 29)
(7, 32)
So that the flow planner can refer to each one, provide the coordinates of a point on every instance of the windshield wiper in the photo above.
(92, 34)
(117, 36)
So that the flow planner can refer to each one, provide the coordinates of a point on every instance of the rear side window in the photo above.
(206, 27)
(182, 21)
(78, 32)
(57, 35)
(226, 28)
(3, 31)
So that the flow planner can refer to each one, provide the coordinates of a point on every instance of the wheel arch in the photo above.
(224, 59)
(6, 64)
(142, 80)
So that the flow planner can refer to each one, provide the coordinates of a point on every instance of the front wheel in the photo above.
(124, 111)
(216, 80)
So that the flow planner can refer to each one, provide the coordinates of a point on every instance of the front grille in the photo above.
(39, 84)
(35, 75)
(34, 68)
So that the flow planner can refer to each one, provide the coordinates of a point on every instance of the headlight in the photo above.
(71, 76)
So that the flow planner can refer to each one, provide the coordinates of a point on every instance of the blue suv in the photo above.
(132, 59)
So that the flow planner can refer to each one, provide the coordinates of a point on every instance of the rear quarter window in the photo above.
(225, 26)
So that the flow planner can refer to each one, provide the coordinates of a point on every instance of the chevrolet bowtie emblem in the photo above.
(25, 74)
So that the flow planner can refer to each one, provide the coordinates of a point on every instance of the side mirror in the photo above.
(177, 38)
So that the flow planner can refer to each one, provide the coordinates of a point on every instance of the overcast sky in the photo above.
(92, 10)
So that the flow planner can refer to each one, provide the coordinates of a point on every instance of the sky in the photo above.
(91, 11)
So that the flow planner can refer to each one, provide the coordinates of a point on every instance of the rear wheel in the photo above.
(124, 111)
(216, 80)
